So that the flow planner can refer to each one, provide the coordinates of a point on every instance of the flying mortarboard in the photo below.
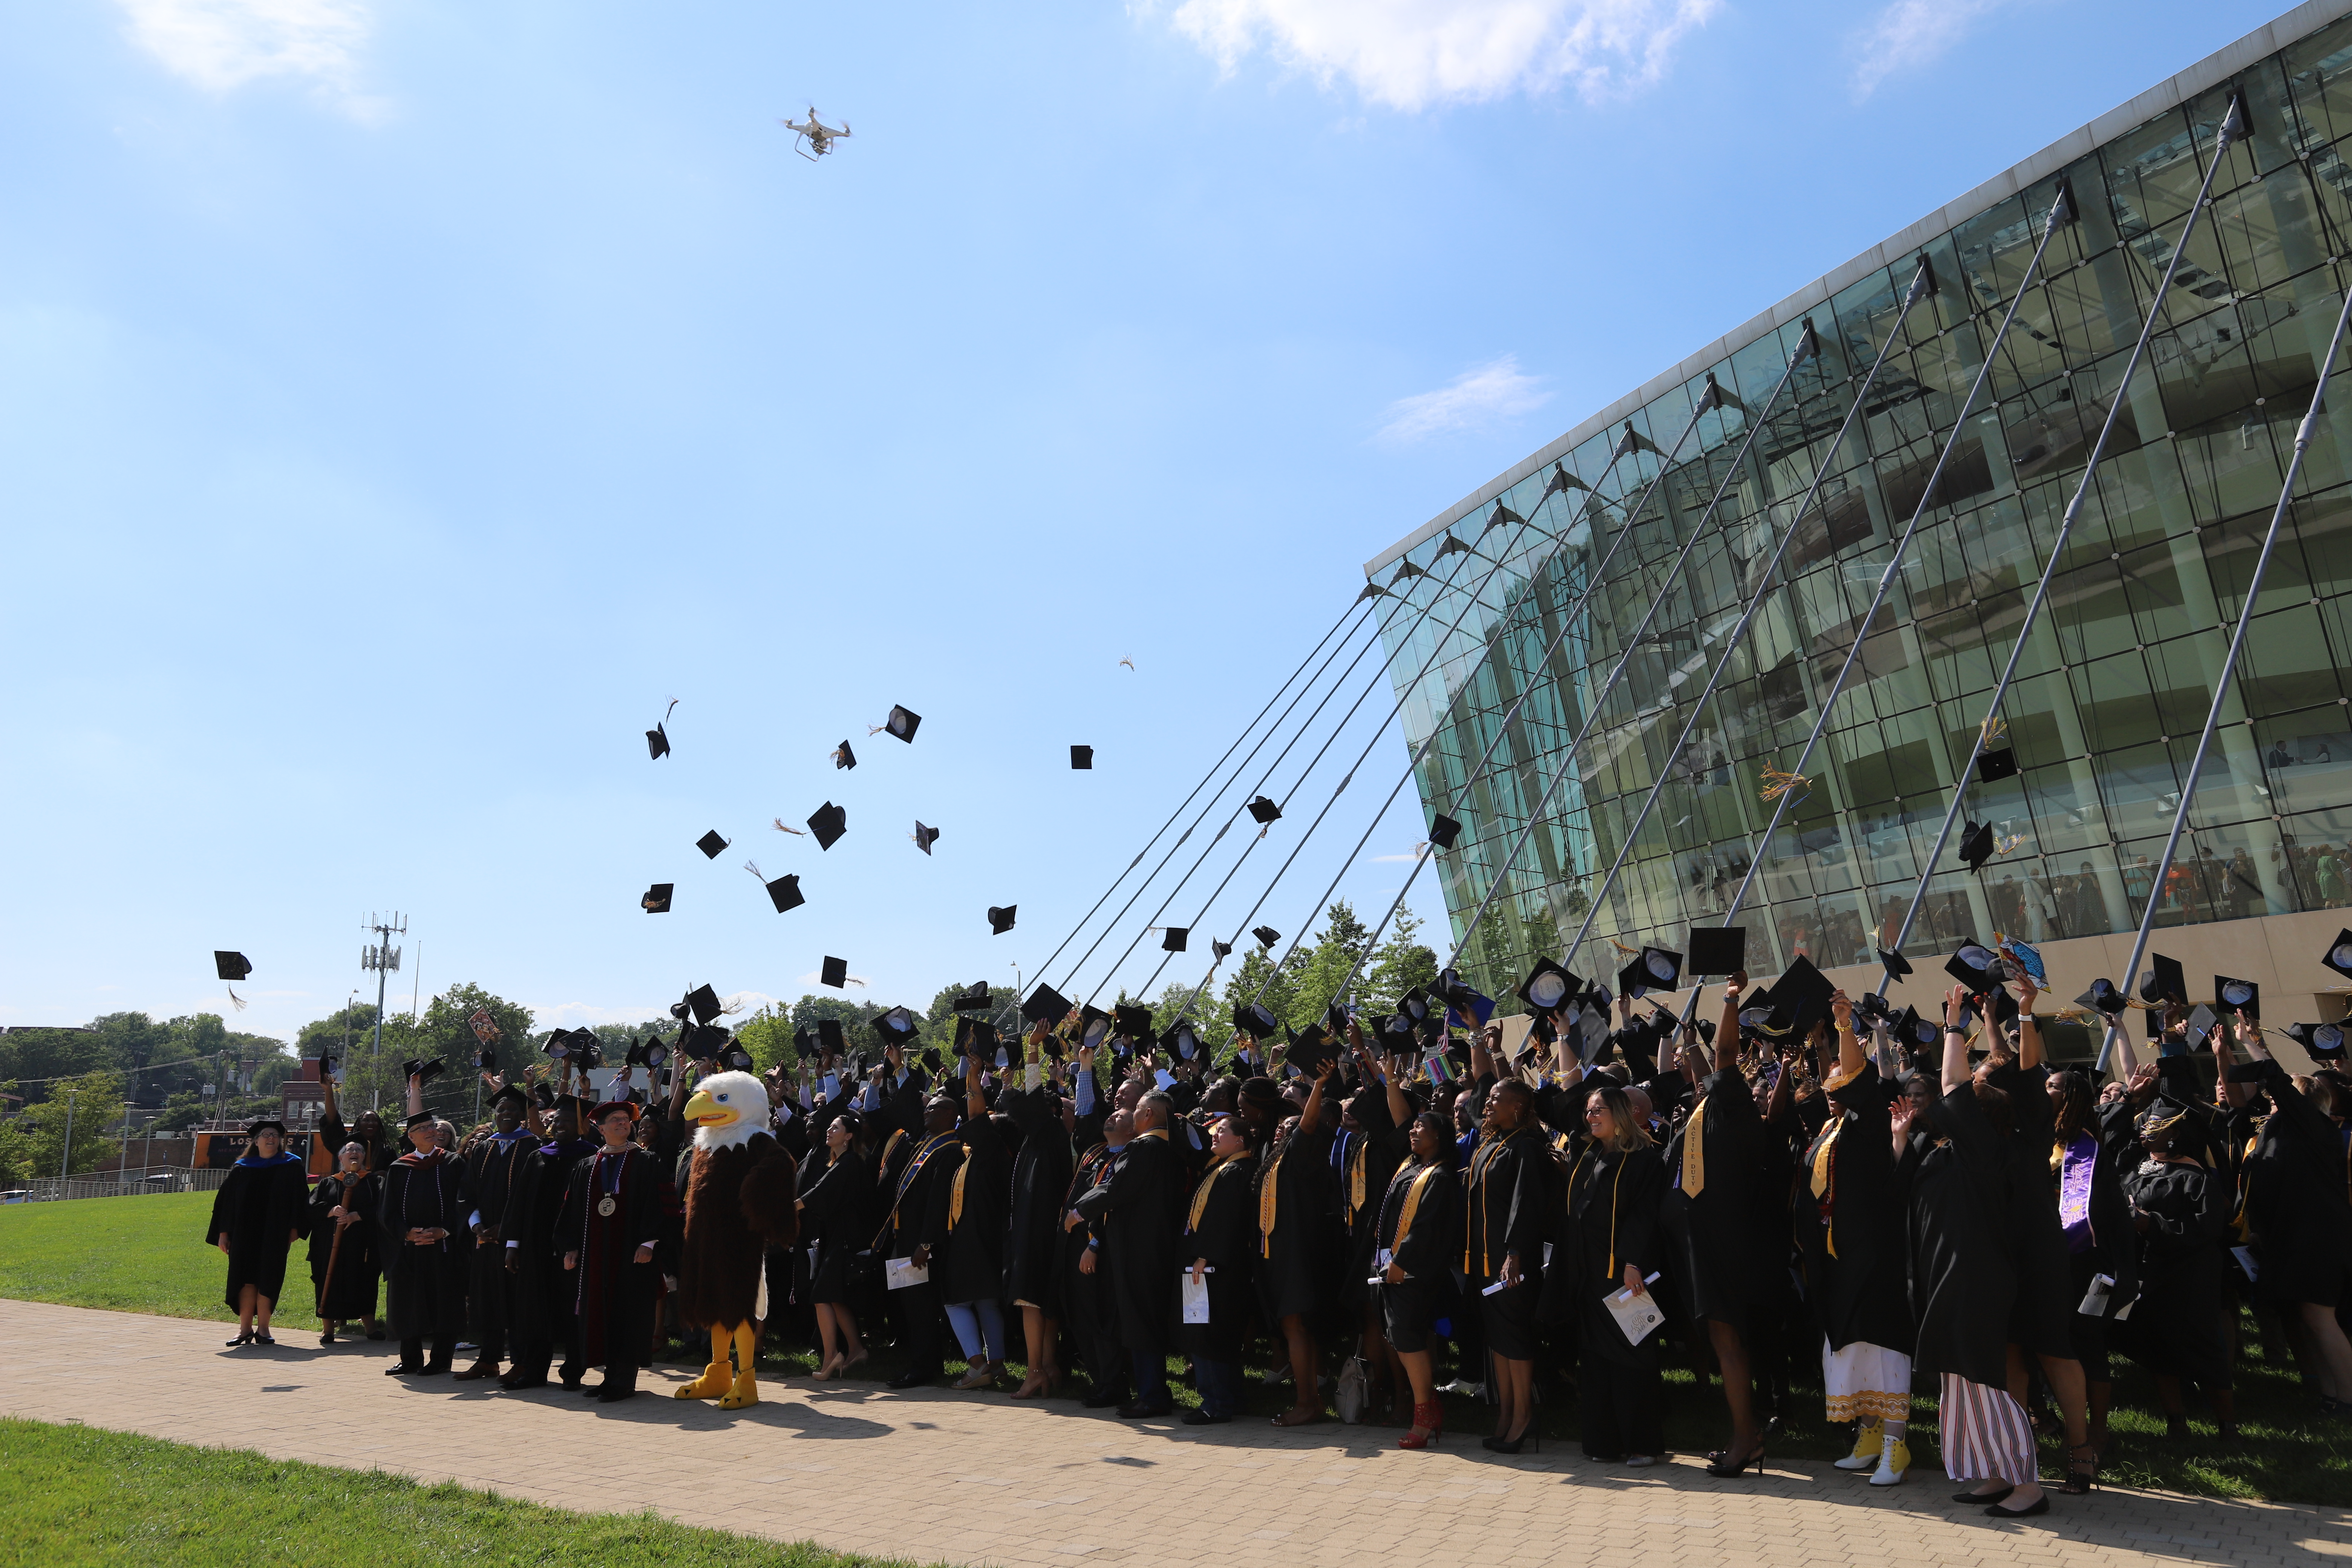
(1918, 1030)
(784, 892)
(1978, 967)
(1660, 969)
(424, 1071)
(1548, 986)
(1133, 1021)
(1801, 994)
(656, 898)
(1994, 766)
(1976, 845)
(1267, 935)
(830, 1040)
(2242, 997)
(1000, 918)
(828, 824)
(834, 973)
(1224, 949)
(897, 1025)
(1082, 757)
(1095, 1025)
(2103, 998)
(704, 1004)
(2322, 1042)
(2200, 1023)
(1182, 1039)
(657, 738)
(973, 998)
(1173, 938)
(902, 723)
(2164, 980)
(711, 843)
(843, 757)
(1717, 950)
(2338, 956)
(925, 836)
(1254, 1019)
(1264, 809)
(1443, 831)
(231, 966)
(1891, 959)
(1045, 1005)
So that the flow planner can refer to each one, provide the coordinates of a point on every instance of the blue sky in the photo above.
(401, 401)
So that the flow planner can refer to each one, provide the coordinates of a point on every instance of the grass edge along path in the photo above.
(86, 1495)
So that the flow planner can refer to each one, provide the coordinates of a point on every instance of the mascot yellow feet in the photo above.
(717, 1377)
(747, 1354)
(745, 1392)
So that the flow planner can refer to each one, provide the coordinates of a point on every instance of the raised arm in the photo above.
(1726, 1028)
(1849, 1047)
(2029, 1032)
(975, 1105)
(1956, 1036)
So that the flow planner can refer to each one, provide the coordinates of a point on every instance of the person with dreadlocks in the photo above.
(2180, 1217)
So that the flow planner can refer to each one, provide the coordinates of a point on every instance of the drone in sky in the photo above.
(815, 138)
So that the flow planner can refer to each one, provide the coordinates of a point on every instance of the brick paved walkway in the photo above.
(978, 1482)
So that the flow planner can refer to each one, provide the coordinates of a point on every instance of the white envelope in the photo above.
(897, 1273)
(1196, 1298)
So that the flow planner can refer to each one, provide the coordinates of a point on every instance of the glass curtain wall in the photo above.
(2115, 680)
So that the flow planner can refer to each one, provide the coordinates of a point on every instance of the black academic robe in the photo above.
(1135, 1211)
(358, 1264)
(424, 1283)
(2176, 1324)
(968, 1251)
(1717, 1232)
(1084, 1301)
(333, 1134)
(2042, 1311)
(836, 1221)
(544, 1293)
(261, 1208)
(1364, 1159)
(612, 1293)
(1302, 1241)
(1041, 1175)
(918, 1215)
(1847, 1214)
(1508, 1197)
(1963, 1277)
(492, 1165)
(1611, 1213)
(2296, 1199)
(1422, 1245)
(1221, 1224)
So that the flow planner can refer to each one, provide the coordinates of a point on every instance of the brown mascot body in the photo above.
(738, 1202)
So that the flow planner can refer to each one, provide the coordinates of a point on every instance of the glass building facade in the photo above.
(2118, 671)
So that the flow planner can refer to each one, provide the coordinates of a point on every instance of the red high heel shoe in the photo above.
(1429, 1421)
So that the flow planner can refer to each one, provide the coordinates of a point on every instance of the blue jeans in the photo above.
(979, 1329)
(1220, 1383)
(1151, 1379)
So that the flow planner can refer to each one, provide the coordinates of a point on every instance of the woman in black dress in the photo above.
(1221, 1247)
(836, 1208)
(968, 1255)
(1299, 1244)
(1413, 1253)
(255, 1217)
(344, 1267)
(1614, 1244)
(1041, 1175)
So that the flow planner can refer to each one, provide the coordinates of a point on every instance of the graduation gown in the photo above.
(493, 1166)
(1847, 1214)
(968, 1252)
(359, 1265)
(1041, 1175)
(836, 1221)
(1963, 1278)
(2176, 1325)
(1134, 1210)
(1413, 1223)
(1086, 1301)
(2296, 1199)
(1718, 1231)
(1362, 1162)
(1221, 1224)
(2041, 1312)
(612, 1293)
(261, 1206)
(425, 1286)
(1301, 1237)
(1612, 1207)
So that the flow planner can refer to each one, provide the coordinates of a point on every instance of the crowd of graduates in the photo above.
(1376, 1210)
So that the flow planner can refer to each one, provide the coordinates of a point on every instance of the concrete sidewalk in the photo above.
(978, 1480)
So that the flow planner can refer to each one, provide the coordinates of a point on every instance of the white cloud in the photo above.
(1910, 33)
(224, 45)
(1409, 53)
(1495, 390)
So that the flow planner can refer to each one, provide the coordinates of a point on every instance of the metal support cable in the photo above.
(2061, 214)
(2232, 131)
(2229, 671)
(1921, 283)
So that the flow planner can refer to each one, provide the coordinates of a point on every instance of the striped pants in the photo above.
(1985, 1434)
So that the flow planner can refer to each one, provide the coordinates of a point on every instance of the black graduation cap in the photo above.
(1802, 994)
(1045, 1005)
(424, 1071)
(1443, 831)
(2200, 1023)
(2103, 998)
(1978, 967)
(829, 822)
(1183, 1040)
(830, 1040)
(1918, 1030)
(1756, 1007)
(1134, 1022)
(833, 972)
(973, 998)
(513, 1091)
(487, 1059)
(1874, 1008)
(2164, 980)
(231, 966)
(1976, 845)
(897, 1025)
(1095, 1025)
(1313, 1050)
(422, 1117)
(657, 738)
(2242, 997)
(1267, 935)
(2338, 956)
(1254, 1019)
(930, 1059)
(1264, 809)
(784, 892)
(703, 1003)
(1082, 757)
(902, 723)
(1224, 949)
(843, 757)
(1000, 918)
(1632, 981)
(925, 836)
(2322, 1042)
(1173, 938)
(656, 898)
(1994, 766)
(1415, 1005)
(1894, 963)
(1661, 969)
(711, 843)
(1548, 986)
(1717, 950)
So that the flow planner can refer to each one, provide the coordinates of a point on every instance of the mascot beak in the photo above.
(705, 1112)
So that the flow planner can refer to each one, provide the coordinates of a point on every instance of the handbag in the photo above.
(1354, 1391)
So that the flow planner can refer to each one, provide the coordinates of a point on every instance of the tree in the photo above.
(1342, 943)
(182, 1111)
(768, 1035)
(92, 1102)
(1397, 966)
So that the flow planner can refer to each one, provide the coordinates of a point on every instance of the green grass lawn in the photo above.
(83, 1495)
(146, 1255)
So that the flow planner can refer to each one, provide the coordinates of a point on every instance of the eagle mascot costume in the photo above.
(738, 1203)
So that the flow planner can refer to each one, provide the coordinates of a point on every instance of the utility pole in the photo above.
(384, 959)
(64, 1161)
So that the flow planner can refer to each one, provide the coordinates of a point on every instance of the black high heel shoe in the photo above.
(1527, 1441)
(244, 1339)
(1722, 1464)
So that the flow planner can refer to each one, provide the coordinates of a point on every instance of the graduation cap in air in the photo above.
(1095, 1025)
(657, 738)
(830, 1040)
(1267, 935)
(656, 898)
(930, 1058)
(834, 972)
(1045, 1005)
(1978, 967)
(1223, 949)
(2164, 980)
(1717, 950)
(1173, 938)
(1994, 766)
(895, 1027)
(1801, 994)
(1653, 969)
(843, 757)
(2322, 1042)
(1976, 845)
(2201, 1022)
(2242, 997)
(1548, 986)
(1443, 831)
(784, 892)
(424, 1071)
(1872, 1009)
(925, 836)
(804, 1042)
(1254, 1019)
(704, 1004)
(231, 966)
(1916, 1030)
(1416, 1004)
(1264, 809)
(973, 998)
(1133, 1021)
(711, 843)
(999, 917)
(1082, 757)
(2103, 998)
(2338, 956)
(1183, 1040)
(1756, 1007)
(1311, 1052)
(902, 723)
(828, 823)
(1892, 960)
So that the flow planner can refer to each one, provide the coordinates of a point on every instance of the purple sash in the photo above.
(2080, 1159)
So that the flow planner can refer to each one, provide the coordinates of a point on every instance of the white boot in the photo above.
(1894, 1460)
(1866, 1446)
